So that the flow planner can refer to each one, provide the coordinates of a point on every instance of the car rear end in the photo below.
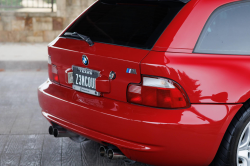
(100, 92)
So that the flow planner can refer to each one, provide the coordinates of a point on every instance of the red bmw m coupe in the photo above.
(163, 82)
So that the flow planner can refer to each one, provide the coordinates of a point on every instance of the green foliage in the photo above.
(11, 2)
(49, 1)
(14, 4)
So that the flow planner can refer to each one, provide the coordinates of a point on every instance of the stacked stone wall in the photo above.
(39, 27)
(29, 27)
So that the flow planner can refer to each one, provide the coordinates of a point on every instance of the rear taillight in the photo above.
(55, 74)
(158, 92)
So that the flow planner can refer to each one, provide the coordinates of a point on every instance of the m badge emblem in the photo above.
(131, 71)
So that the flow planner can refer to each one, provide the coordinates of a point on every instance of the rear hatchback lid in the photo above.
(123, 33)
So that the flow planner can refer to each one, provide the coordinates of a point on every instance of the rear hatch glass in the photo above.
(135, 24)
(122, 33)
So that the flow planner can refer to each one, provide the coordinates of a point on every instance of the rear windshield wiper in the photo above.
(83, 37)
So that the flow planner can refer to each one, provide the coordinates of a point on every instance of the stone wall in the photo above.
(38, 27)
(70, 9)
(29, 27)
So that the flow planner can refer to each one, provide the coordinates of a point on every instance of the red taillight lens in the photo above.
(158, 92)
(55, 77)
(55, 74)
(134, 94)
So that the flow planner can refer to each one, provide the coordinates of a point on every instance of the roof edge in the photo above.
(136, 1)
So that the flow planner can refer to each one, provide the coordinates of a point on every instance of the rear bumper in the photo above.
(150, 135)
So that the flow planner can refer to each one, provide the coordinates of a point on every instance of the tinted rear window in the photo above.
(227, 31)
(134, 25)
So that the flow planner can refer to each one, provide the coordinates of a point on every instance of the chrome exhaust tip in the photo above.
(103, 151)
(60, 132)
(51, 130)
(115, 154)
(110, 154)
(56, 133)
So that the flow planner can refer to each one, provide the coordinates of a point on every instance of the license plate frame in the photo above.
(84, 80)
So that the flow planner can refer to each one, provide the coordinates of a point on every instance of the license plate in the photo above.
(84, 80)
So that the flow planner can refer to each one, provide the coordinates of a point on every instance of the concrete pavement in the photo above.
(23, 56)
(23, 52)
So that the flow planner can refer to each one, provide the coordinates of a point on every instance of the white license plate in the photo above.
(84, 80)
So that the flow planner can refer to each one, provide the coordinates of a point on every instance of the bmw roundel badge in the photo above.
(85, 60)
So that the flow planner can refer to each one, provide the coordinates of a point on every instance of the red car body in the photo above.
(216, 86)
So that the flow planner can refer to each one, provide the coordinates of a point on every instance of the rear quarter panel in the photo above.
(205, 78)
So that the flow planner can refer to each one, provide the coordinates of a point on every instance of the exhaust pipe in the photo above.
(51, 130)
(103, 151)
(60, 132)
(115, 154)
